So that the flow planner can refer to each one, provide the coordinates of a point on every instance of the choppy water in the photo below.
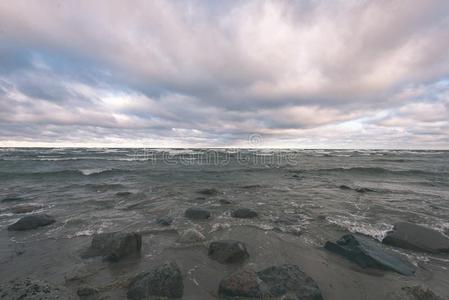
(293, 190)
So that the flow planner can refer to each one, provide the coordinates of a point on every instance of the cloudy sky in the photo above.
(327, 74)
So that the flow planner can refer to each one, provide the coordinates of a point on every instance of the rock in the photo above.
(225, 201)
(115, 245)
(208, 192)
(25, 208)
(421, 293)
(165, 221)
(289, 279)
(228, 251)
(243, 283)
(13, 199)
(277, 282)
(123, 194)
(368, 253)
(197, 213)
(163, 281)
(244, 213)
(32, 289)
(191, 236)
(87, 291)
(416, 237)
(363, 190)
(344, 187)
(32, 222)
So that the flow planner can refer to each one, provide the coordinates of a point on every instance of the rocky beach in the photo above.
(223, 224)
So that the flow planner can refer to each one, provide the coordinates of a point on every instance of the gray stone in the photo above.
(416, 237)
(368, 253)
(32, 222)
(115, 245)
(244, 213)
(197, 213)
(165, 220)
(163, 281)
(228, 251)
(242, 283)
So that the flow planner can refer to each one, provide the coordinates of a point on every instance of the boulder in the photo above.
(165, 221)
(32, 222)
(243, 283)
(197, 213)
(368, 253)
(191, 236)
(115, 245)
(208, 192)
(25, 208)
(32, 289)
(228, 251)
(244, 213)
(276, 282)
(416, 237)
(163, 281)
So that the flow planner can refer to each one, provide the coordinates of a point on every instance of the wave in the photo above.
(63, 173)
(374, 171)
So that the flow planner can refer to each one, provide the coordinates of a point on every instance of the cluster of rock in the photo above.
(32, 289)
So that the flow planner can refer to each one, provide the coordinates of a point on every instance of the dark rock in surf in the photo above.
(32, 289)
(244, 213)
(421, 293)
(114, 246)
(242, 283)
(123, 194)
(344, 187)
(13, 199)
(368, 253)
(228, 251)
(363, 190)
(225, 201)
(165, 221)
(32, 222)
(416, 237)
(197, 213)
(208, 192)
(87, 292)
(291, 280)
(277, 282)
(163, 281)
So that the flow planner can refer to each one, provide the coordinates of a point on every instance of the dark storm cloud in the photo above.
(194, 73)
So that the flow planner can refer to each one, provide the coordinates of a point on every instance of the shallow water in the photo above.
(319, 193)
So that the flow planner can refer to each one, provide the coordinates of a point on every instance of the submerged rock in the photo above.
(208, 192)
(32, 222)
(163, 281)
(115, 245)
(243, 283)
(368, 253)
(244, 213)
(25, 208)
(197, 213)
(278, 282)
(416, 237)
(228, 251)
(191, 236)
(165, 221)
(123, 194)
(225, 201)
(32, 289)
(13, 199)
(87, 292)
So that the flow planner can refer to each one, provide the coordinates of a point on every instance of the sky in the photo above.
(275, 74)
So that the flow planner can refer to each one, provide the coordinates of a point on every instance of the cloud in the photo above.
(301, 73)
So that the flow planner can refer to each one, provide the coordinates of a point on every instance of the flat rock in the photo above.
(165, 220)
(32, 222)
(416, 237)
(32, 289)
(163, 281)
(244, 213)
(368, 253)
(197, 213)
(228, 251)
(115, 245)
(276, 282)
(191, 236)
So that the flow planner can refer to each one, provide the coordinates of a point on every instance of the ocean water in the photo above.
(303, 197)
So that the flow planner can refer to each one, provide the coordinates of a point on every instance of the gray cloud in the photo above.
(169, 73)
